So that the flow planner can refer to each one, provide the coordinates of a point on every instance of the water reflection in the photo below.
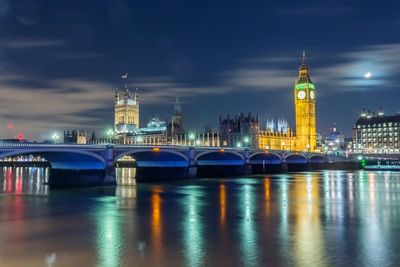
(26, 180)
(309, 246)
(109, 236)
(222, 204)
(125, 176)
(126, 196)
(248, 240)
(267, 194)
(156, 224)
(193, 227)
(327, 218)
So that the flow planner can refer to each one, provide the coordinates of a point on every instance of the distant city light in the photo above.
(20, 136)
(239, 144)
(368, 75)
(191, 136)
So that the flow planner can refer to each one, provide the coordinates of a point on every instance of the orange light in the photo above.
(266, 151)
(222, 150)
(156, 149)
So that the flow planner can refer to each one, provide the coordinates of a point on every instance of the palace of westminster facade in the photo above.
(241, 130)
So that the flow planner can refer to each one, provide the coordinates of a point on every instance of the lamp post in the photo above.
(246, 141)
(55, 137)
(110, 135)
(192, 136)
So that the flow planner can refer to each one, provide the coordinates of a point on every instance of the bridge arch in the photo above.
(295, 158)
(63, 158)
(219, 157)
(317, 159)
(152, 158)
(265, 157)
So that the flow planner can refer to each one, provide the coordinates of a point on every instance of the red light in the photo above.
(20, 136)
(10, 125)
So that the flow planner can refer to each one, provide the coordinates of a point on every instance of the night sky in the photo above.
(60, 61)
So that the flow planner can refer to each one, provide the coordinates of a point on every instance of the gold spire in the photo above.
(304, 76)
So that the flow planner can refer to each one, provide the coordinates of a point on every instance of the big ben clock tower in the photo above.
(304, 100)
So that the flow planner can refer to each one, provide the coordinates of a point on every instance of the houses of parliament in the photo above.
(240, 130)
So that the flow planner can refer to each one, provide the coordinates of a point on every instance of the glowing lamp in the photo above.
(156, 149)
(222, 150)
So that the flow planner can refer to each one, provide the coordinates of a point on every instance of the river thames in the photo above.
(326, 218)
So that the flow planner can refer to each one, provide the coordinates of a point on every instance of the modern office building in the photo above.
(375, 133)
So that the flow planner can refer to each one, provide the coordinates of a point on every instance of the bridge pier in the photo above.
(109, 176)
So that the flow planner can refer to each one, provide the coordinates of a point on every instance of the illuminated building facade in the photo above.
(75, 137)
(242, 130)
(126, 112)
(276, 140)
(156, 132)
(281, 137)
(376, 133)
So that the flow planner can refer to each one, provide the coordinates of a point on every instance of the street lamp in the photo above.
(192, 136)
(110, 133)
(246, 141)
(55, 137)
(239, 144)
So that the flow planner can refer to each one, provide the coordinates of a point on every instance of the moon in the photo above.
(368, 75)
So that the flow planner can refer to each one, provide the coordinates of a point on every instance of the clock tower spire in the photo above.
(304, 100)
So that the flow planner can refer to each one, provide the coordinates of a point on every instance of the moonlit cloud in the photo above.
(34, 112)
(382, 60)
(259, 79)
(32, 43)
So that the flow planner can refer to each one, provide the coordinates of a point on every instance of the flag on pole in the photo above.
(124, 76)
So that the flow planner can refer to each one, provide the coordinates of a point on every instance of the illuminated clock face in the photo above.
(301, 95)
(312, 94)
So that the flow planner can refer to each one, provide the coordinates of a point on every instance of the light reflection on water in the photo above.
(247, 231)
(329, 218)
(193, 241)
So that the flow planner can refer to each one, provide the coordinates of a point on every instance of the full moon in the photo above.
(368, 75)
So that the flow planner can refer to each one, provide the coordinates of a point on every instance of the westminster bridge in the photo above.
(95, 164)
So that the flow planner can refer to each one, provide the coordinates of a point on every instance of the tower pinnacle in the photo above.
(304, 76)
